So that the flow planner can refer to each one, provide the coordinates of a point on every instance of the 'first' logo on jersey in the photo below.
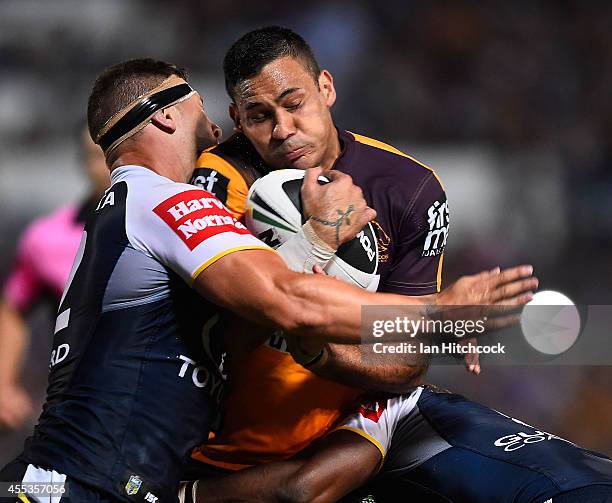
(195, 215)
(438, 220)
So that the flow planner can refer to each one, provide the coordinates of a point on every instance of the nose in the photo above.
(216, 130)
(284, 126)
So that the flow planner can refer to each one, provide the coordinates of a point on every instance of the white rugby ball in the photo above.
(274, 215)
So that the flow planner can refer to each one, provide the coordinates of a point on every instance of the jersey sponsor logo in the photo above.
(59, 355)
(107, 200)
(201, 377)
(133, 485)
(438, 220)
(372, 410)
(211, 181)
(520, 439)
(151, 498)
(194, 216)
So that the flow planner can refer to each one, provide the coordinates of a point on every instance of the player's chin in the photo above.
(305, 161)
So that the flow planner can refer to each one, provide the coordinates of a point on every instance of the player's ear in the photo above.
(326, 87)
(235, 116)
(165, 120)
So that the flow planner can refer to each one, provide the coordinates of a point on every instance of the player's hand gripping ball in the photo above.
(274, 215)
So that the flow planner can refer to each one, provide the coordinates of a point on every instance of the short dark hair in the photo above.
(251, 52)
(121, 84)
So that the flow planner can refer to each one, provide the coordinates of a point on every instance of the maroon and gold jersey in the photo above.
(275, 407)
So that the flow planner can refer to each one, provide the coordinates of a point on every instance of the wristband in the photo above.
(318, 361)
(305, 249)
(306, 360)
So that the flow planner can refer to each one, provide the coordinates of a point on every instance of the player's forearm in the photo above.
(335, 466)
(265, 483)
(361, 367)
(13, 343)
(296, 480)
(256, 285)
(330, 310)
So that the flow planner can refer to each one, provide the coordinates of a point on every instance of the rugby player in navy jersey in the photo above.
(136, 373)
(281, 109)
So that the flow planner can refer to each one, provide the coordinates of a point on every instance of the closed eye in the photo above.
(258, 118)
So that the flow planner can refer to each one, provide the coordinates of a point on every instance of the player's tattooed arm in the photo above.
(337, 210)
(343, 218)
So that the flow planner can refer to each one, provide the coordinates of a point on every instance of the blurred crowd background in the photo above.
(509, 101)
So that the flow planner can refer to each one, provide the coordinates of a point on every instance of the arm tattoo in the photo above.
(343, 216)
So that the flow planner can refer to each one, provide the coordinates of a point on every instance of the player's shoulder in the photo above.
(144, 186)
(235, 159)
(228, 170)
(384, 158)
(144, 197)
(150, 205)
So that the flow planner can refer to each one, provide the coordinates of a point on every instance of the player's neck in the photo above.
(164, 162)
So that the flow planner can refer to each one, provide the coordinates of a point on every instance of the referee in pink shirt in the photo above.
(44, 258)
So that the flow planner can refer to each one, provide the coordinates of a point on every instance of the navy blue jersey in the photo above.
(443, 447)
(135, 373)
